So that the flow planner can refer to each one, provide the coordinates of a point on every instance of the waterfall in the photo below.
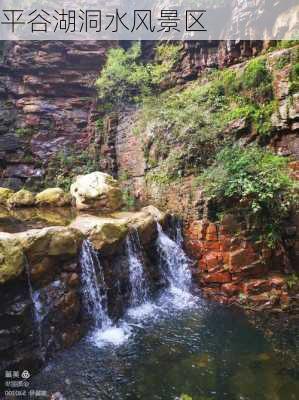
(36, 309)
(138, 280)
(94, 293)
(174, 263)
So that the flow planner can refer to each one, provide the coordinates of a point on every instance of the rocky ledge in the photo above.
(41, 306)
(42, 267)
(106, 233)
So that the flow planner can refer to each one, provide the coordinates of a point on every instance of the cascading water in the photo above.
(138, 279)
(174, 263)
(36, 310)
(96, 301)
(94, 296)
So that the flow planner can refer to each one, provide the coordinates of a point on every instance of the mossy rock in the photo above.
(5, 195)
(105, 233)
(55, 197)
(22, 198)
(12, 258)
(53, 241)
(144, 221)
(47, 249)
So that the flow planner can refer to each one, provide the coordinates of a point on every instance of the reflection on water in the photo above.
(22, 219)
(203, 351)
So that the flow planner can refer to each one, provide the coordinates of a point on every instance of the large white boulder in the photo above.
(96, 191)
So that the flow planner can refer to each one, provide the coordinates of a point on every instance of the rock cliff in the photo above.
(47, 104)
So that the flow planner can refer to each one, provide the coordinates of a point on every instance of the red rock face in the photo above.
(232, 269)
(48, 102)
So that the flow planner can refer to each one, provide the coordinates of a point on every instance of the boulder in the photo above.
(5, 194)
(155, 213)
(22, 198)
(144, 221)
(104, 233)
(96, 191)
(55, 197)
(53, 241)
(12, 259)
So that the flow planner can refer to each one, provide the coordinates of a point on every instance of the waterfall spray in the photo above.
(94, 293)
(36, 309)
(174, 263)
(138, 279)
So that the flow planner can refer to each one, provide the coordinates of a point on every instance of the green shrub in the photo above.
(66, 164)
(256, 179)
(282, 62)
(292, 281)
(23, 132)
(256, 74)
(128, 198)
(286, 44)
(294, 78)
(125, 78)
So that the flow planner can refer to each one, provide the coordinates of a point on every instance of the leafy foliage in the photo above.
(23, 132)
(65, 165)
(257, 180)
(294, 78)
(187, 124)
(126, 78)
(282, 62)
(292, 281)
(256, 73)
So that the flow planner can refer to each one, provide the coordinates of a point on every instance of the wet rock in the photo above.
(241, 257)
(53, 197)
(231, 289)
(155, 213)
(22, 198)
(11, 258)
(74, 280)
(46, 251)
(218, 277)
(10, 143)
(5, 194)
(96, 191)
(52, 241)
(107, 233)
(104, 233)
(142, 221)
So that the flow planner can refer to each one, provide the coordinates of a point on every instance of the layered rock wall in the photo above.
(233, 269)
(47, 104)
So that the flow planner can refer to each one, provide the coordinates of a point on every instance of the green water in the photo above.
(204, 351)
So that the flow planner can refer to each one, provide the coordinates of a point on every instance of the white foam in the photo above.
(114, 335)
(143, 311)
(177, 298)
